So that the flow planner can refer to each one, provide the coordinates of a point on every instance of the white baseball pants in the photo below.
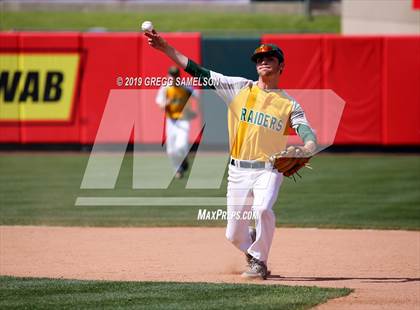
(252, 190)
(177, 132)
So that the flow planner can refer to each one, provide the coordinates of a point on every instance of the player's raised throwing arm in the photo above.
(225, 86)
(159, 43)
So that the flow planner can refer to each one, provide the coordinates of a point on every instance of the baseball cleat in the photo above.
(248, 258)
(253, 235)
(257, 270)
(185, 165)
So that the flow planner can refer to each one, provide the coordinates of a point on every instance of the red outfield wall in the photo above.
(378, 77)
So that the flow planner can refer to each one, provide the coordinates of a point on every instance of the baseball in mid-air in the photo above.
(147, 26)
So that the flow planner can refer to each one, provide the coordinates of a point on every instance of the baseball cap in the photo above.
(268, 49)
(173, 70)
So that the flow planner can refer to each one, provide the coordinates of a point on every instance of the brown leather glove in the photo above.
(291, 160)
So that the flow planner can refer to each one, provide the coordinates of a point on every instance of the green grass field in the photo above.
(31, 293)
(207, 23)
(346, 191)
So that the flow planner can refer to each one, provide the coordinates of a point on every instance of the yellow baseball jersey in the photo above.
(257, 123)
(174, 99)
(258, 120)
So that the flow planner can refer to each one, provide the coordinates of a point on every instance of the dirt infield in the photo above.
(382, 266)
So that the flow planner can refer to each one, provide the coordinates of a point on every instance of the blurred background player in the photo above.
(174, 100)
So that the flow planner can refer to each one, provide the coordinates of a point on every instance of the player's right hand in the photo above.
(156, 41)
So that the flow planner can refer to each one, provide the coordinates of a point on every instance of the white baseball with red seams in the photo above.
(147, 26)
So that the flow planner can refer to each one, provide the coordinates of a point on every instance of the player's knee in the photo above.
(232, 237)
(176, 153)
(264, 213)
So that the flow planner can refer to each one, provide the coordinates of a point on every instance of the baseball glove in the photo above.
(291, 160)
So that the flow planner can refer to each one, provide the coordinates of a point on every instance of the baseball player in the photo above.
(259, 115)
(173, 99)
